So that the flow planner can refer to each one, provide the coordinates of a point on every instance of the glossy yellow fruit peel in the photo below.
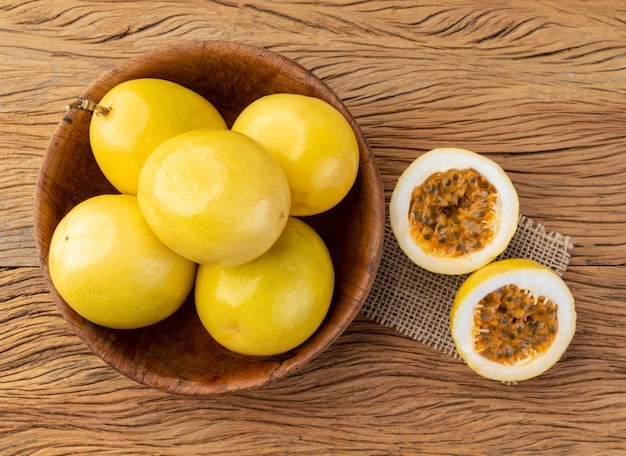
(273, 303)
(512, 320)
(141, 114)
(109, 267)
(214, 196)
(314, 143)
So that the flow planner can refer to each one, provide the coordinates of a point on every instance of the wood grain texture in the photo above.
(538, 86)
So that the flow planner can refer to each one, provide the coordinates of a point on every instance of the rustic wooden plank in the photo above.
(373, 392)
(539, 86)
(492, 92)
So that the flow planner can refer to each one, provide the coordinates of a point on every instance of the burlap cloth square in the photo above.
(417, 303)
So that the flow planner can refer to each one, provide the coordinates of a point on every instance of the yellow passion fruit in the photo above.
(453, 211)
(512, 320)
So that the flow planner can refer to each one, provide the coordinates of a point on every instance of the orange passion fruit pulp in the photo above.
(512, 320)
(453, 211)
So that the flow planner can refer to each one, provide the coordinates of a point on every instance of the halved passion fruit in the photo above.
(453, 211)
(512, 320)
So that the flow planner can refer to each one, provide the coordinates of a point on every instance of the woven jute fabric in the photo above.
(417, 302)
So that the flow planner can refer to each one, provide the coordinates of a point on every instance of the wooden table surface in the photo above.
(538, 86)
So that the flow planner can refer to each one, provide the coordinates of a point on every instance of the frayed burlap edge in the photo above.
(417, 303)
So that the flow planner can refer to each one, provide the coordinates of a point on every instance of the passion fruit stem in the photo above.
(88, 105)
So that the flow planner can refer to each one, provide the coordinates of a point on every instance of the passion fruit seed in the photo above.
(453, 212)
(512, 324)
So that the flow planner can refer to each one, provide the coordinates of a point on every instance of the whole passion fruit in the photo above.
(313, 142)
(274, 303)
(109, 267)
(214, 196)
(453, 211)
(512, 320)
(135, 117)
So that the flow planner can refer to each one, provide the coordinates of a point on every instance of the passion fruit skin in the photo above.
(503, 226)
(143, 113)
(214, 196)
(527, 275)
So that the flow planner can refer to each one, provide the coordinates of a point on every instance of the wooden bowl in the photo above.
(177, 355)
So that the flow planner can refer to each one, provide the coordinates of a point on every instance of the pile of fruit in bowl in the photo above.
(209, 217)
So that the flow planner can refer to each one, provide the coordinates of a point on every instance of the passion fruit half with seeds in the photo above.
(512, 320)
(453, 211)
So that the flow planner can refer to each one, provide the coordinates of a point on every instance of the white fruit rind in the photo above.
(442, 159)
(539, 281)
